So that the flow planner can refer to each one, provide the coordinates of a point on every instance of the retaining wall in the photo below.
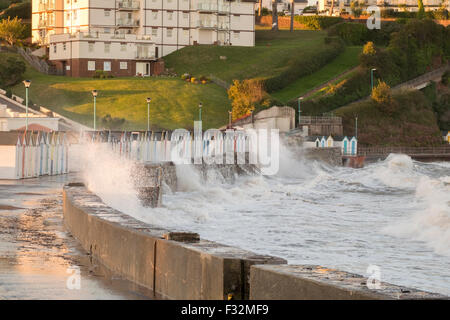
(144, 254)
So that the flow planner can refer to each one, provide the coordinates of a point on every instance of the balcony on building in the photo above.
(44, 24)
(128, 5)
(97, 36)
(48, 6)
(208, 7)
(127, 23)
(207, 24)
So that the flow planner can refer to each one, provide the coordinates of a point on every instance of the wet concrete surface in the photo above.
(38, 258)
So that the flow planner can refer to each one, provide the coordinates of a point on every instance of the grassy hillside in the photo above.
(272, 54)
(174, 102)
(345, 61)
(413, 122)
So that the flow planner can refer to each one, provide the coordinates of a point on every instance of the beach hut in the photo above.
(353, 146)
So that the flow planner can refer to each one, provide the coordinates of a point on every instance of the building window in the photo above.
(123, 65)
(64, 46)
(237, 35)
(155, 32)
(107, 47)
(91, 46)
(54, 48)
(170, 15)
(107, 13)
(91, 66)
(107, 66)
(155, 15)
(123, 47)
(169, 33)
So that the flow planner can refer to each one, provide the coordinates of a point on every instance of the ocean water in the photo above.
(394, 214)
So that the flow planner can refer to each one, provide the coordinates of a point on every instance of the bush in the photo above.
(382, 93)
(303, 67)
(351, 33)
(100, 74)
(356, 34)
(11, 71)
(317, 22)
(111, 123)
(446, 78)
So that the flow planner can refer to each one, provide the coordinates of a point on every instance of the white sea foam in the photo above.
(394, 213)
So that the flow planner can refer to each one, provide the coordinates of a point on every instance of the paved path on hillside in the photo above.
(326, 83)
(416, 83)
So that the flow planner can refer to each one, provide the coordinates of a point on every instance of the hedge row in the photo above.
(439, 14)
(358, 34)
(317, 22)
(303, 67)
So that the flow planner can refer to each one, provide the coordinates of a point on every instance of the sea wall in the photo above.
(331, 155)
(306, 282)
(172, 263)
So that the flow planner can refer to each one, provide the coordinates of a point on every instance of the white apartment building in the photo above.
(396, 5)
(127, 37)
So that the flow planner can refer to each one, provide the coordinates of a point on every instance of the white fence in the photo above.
(157, 147)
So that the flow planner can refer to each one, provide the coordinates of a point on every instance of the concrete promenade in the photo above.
(38, 256)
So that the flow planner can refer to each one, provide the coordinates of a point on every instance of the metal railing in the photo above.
(380, 151)
(128, 22)
(320, 120)
(145, 55)
(128, 5)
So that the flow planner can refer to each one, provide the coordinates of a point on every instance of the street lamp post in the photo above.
(27, 84)
(356, 127)
(229, 119)
(371, 78)
(148, 113)
(200, 105)
(95, 93)
(299, 111)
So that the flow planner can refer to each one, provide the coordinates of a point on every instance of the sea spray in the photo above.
(392, 213)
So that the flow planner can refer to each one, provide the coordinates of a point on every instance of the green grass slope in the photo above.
(174, 102)
(345, 61)
(270, 56)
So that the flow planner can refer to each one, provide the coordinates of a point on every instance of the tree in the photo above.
(12, 30)
(274, 15)
(292, 14)
(382, 95)
(421, 12)
(332, 7)
(356, 9)
(369, 49)
(245, 96)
